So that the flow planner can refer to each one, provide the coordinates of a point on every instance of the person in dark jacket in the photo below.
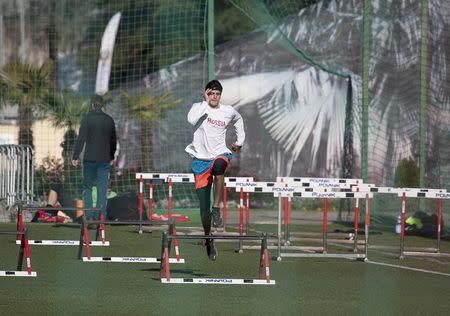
(97, 136)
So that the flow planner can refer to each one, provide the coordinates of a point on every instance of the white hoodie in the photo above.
(209, 137)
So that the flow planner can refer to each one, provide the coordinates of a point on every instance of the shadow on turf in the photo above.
(187, 272)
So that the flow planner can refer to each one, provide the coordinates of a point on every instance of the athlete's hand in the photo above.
(75, 162)
(235, 147)
(206, 95)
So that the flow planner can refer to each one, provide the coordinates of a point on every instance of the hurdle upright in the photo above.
(23, 251)
(238, 182)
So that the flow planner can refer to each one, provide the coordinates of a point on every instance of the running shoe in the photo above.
(217, 219)
(211, 249)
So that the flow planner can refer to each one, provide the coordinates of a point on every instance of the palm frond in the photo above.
(25, 84)
(295, 112)
(148, 107)
(66, 109)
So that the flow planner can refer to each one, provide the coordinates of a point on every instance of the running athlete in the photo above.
(211, 155)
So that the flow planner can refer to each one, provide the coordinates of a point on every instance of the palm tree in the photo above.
(66, 111)
(26, 86)
(147, 109)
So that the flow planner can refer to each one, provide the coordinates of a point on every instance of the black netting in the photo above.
(295, 70)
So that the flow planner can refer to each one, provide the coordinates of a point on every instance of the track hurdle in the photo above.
(284, 190)
(438, 194)
(84, 240)
(264, 269)
(24, 250)
(340, 186)
(246, 186)
(403, 193)
(325, 185)
(237, 182)
(100, 232)
(170, 178)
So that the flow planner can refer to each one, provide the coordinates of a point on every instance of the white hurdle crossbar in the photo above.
(365, 187)
(320, 182)
(130, 259)
(63, 242)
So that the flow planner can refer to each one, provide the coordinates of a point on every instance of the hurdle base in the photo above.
(221, 281)
(300, 248)
(342, 235)
(18, 274)
(64, 243)
(320, 240)
(425, 254)
(420, 249)
(150, 229)
(359, 257)
(384, 248)
(130, 259)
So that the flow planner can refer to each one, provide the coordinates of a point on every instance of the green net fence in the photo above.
(351, 88)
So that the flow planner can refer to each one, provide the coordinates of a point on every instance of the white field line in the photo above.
(408, 268)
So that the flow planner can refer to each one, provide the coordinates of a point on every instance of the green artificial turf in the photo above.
(68, 286)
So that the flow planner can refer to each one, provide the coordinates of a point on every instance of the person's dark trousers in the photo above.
(95, 173)
(204, 196)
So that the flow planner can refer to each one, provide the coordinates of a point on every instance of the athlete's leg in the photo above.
(218, 171)
(204, 196)
(218, 190)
